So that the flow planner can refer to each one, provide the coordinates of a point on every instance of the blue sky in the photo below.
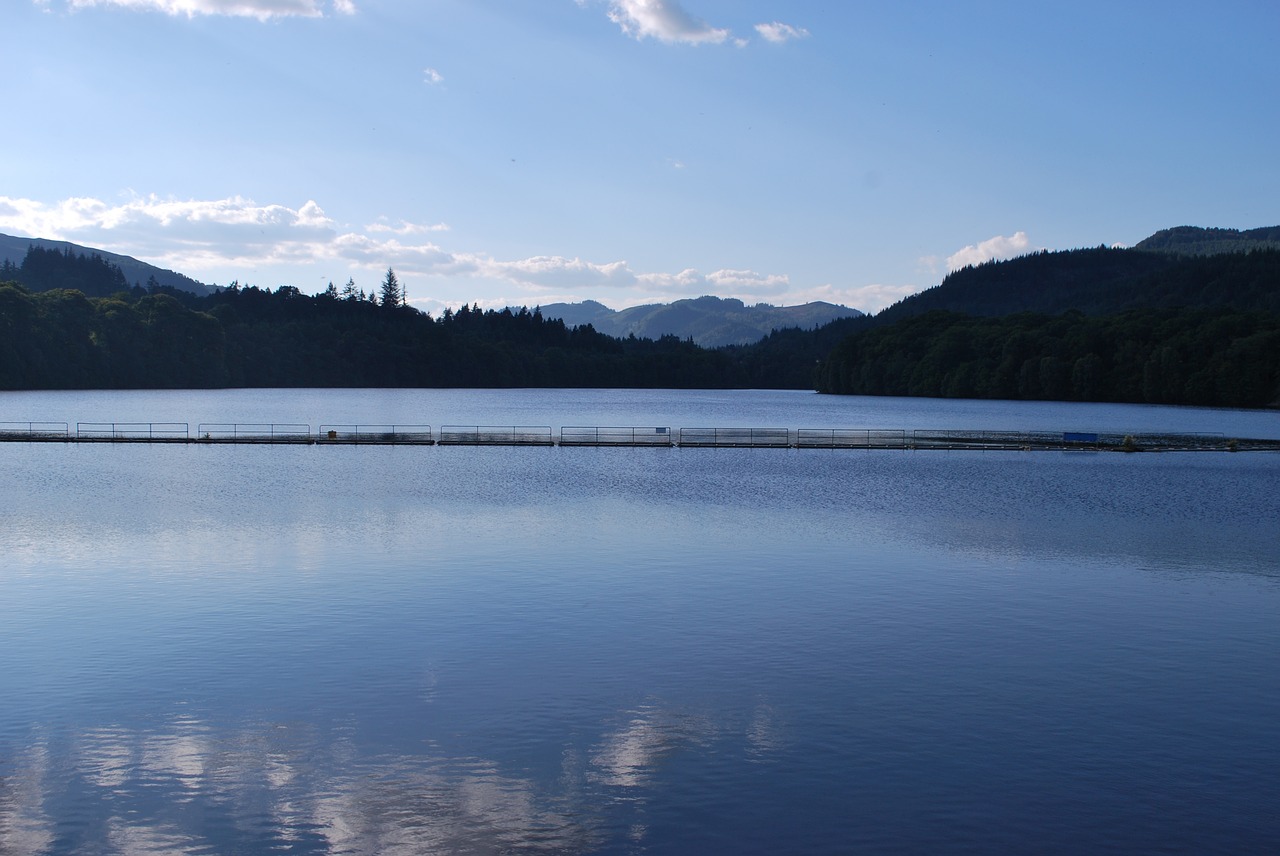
(630, 151)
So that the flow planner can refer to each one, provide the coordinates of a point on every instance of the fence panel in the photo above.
(382, 435)
(34, 430)
(241, 432)
(495, 435)
(736, 437)
(581, 435)
(133, 431)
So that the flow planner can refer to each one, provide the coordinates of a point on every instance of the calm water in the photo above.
(481, 650)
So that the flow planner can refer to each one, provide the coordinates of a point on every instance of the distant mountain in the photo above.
(14, 249)
(1197, 241)
(712, 322)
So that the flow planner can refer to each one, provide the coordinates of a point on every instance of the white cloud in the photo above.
(999, 247)
(560, 272)
(724, 283)
(778, 32)
(432, 77)
(665, 21)
(263, 10)
(236, 238)
(194, 236)
(740, 282)
(406, 228)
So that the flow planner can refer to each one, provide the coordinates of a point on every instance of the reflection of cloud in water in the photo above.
(25, 827)
(105, 757)
(182, 755)
(399, 807)
(158, 840)
(764, 733)
(628, 756)
(186, 785)
(275, 785)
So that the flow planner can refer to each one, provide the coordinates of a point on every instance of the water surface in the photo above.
(422, 649)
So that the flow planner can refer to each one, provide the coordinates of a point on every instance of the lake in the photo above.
(402, 650)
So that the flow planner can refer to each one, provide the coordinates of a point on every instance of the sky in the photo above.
(527, 152)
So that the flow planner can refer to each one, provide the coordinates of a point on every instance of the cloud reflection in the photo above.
(187, 785)
(25, 826)
(272, 784)
(628, 756)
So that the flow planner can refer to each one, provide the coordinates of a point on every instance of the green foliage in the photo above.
(392, 295)
(1195, 241)
(1215, 357)
(257, 338)
(1101, 281)
(1084, 325)
(48, 269)
(1089, 325)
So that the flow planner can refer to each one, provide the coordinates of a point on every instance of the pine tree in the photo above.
(390, 290)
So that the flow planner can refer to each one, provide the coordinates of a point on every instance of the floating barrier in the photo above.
(612, 436)
(489, 435)
(379, 435)
(34, 431)
(137, 432)
(238, 432)
(850, 438)
(585, 435)
(754, 438)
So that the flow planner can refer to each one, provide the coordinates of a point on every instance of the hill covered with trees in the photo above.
(251, 337)
(1198, 241)
(1094, 324)
(14, 251)
(1089, 325)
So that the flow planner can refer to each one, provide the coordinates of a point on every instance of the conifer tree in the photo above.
(390, 290)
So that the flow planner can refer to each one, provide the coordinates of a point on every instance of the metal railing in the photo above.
(850, 438)
(415, 435)
(133, 431)
(240, 432)
(1171, 440)
(34, 430)
(495, 435)
(582, 435)
(962, 439)
(745, 437)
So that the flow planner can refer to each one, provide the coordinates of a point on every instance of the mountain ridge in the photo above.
(13, 248)
(709, 321)
(1210, 241)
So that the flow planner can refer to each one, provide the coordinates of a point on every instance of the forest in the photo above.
(1084, 325)
(1214, 357)
(1080, 325)
(250, 337)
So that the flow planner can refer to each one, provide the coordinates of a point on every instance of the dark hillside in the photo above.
(1086, 325)
(14, 249)
(1197, 241)
(1099, 282)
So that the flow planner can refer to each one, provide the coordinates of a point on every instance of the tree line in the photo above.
(1098, 324)
(1214, 357)
(1137, 327)
(253, 337)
